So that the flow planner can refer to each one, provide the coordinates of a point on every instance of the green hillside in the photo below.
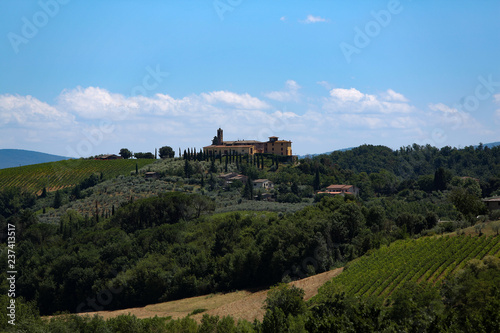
(56, 175)
(430, 259)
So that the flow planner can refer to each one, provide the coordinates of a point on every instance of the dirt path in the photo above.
(239, 304)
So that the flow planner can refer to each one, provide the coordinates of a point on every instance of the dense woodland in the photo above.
(151, 243)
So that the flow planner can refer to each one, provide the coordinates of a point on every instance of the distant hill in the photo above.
(327, 153)
(489, 145)
(17, 157)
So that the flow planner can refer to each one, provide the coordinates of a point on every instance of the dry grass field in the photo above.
(240, 304)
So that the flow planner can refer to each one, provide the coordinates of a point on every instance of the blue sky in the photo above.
(80, 78)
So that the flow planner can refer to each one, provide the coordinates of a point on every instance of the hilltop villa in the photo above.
(250, 147)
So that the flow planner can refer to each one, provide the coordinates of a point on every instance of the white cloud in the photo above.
(497, 98)
(28, 111)
(291, 93)
(343, 118)
(392, 96)
(352, 100)
(313, 19)
(95, 103)
(443, 108)
(453, 118)
(347, 95)
(282, 18)
(325, 84)
(242, 101)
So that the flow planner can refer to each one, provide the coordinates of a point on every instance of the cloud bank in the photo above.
(92, 120)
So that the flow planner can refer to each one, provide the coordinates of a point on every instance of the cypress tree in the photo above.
(212, 166)
(248, 189)
(96, 212)
(187, 169)
(57, 200)
(317, 181)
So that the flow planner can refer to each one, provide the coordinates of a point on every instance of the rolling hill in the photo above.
(10, 158)
(376, 274)
(56, 175)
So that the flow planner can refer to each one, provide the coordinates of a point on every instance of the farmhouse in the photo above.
(233, 176)
(108, 157)
(262, 183)
(492, 203)
(219, 147)
(151, 175)
(341, 190)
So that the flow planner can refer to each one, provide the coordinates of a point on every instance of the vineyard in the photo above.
(57, 175)
(429, 259)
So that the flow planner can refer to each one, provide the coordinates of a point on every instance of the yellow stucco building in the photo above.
(250, 147)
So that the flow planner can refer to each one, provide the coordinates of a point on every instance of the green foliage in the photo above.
(441, 179)
(472, 296)
(415, 306)
(467, 203)
(125, 153)
(168, 208)
(248, 190)
(411, 223)
(166, 152)
(148, 155)
(196, 311)
(288, 299)
(13, 200)
(57, 200)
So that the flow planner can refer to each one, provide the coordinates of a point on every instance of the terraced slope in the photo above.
(429, 259)
(57, 175)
